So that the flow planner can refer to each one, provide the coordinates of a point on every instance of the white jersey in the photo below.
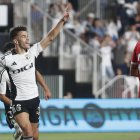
(4, 82)
(21, 70)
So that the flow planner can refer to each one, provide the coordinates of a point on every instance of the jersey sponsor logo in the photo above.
(26, 67)
(14, 63)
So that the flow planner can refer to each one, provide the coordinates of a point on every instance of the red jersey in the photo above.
(136, 59)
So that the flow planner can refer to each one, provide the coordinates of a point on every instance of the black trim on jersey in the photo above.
(8, 91)
(13, 87)
(13, 52)
(1, 73)
(5, 54)
(8, 95)
(35, 69)
(3, 57)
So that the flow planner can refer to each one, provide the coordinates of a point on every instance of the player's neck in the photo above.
(20, 50)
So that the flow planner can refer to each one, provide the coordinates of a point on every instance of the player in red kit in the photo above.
(135, 63)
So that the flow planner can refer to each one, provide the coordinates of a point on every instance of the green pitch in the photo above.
(81, 136)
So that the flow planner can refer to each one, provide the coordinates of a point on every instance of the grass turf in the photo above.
(81, 136)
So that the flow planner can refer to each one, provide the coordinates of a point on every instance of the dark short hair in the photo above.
(7, 46)
(14, 31)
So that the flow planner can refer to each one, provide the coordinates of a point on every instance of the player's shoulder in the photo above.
(35, 45)
(35, 48)
(138, 44)
(5, 74)
(5, 55)
(8, 53)
(137, 47)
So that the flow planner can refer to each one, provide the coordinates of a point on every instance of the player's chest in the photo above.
(20, 62)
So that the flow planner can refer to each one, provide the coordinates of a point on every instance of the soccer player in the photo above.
(135, 63)
(20, 65)
(5, 98)
(5, 95)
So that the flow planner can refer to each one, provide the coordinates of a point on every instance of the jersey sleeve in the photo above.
(36, 49)
(2, 69)
(3, 84)
(134, 59)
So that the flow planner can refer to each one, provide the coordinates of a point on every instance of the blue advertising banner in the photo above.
(86, 115)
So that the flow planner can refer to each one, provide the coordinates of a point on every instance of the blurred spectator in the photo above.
(119, 53)
(126, 64)
(89, 20)
(113, 28)
(106, 53)
(78, 27)
(70, 24)
(99, 28)
(119, 71)
(75, 4)
(76, 48)
(56, 11)
(95, 42)
(37, 21)
(137, 22)
(131, 8)
(88, 25)
(138, 8)
(122, 15)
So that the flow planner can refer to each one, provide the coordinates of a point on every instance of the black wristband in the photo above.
(63, 20)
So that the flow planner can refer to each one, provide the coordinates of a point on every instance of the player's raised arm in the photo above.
(55, 31)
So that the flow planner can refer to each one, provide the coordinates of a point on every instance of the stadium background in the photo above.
(89, 61)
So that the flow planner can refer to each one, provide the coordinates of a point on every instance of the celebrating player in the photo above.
(20, 65)
(5, 94)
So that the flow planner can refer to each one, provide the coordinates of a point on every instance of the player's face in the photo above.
(23, 40)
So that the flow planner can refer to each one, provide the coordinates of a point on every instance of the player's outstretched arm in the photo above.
(55, 31)
(43, 84)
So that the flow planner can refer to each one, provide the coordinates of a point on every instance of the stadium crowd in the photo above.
(115, 38)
